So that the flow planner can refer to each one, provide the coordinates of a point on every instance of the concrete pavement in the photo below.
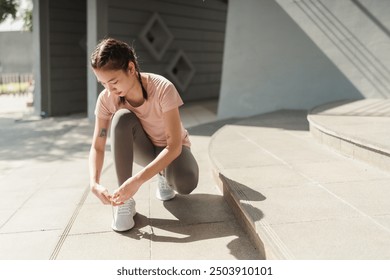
(48, 212)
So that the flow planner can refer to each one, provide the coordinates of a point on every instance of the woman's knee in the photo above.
(121, 121)
(183, 172)
(186, 182)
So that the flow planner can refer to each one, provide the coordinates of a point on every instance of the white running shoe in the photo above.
(164, 191)
(123, 216)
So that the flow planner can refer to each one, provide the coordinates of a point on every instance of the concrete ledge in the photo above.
(356, 129)
(246, 216)
(236, 195)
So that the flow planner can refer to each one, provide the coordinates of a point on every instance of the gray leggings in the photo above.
(129, 143)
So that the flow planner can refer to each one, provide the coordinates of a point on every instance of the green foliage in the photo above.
(13, 88)
(27, 18)
(8, 7)
(11, 8)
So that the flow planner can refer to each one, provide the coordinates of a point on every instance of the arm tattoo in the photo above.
(103, 132)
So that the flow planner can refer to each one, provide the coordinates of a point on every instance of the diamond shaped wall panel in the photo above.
(181, 70)
(156, 36)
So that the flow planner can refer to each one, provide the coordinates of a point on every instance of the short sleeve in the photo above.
(170, 98)
(101, 109)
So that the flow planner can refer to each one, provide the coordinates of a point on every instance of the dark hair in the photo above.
(113, 54)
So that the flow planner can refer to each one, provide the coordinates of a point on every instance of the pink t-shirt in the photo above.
(162, 97)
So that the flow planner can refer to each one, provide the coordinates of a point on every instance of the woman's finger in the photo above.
(107, 198)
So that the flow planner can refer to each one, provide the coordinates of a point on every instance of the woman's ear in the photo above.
(131, 67)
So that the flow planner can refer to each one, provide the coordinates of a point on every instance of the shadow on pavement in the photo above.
(198, 217)
(278, 119)
(45, 140)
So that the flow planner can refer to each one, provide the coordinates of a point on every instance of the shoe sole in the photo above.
(117, 230)
(122, 230)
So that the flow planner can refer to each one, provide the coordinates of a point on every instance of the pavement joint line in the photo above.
(68, 227)
(150, 241)
(30, 231)
(151, 223)
(90, 233)
(110, 231)
(264, 149)
(354, 207)
(189, 224)
(315, 220)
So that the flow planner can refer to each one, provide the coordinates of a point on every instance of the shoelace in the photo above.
(163, 184)
(124, 209)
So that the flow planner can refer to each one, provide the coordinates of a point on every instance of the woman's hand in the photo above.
(127, 190)
(102, 193)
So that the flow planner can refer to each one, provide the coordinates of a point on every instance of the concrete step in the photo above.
(357, 129)
(297, 198)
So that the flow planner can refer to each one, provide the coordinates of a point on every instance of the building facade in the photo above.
(298, 54)
(256, 56)
(182, 40)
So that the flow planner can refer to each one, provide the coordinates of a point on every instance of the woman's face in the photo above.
(117, 82)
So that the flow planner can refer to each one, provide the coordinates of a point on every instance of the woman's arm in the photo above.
(172, 150)
(96, 159)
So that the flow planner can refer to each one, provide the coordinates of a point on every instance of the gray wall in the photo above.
(59, 46)
(59, 43)
(270, 63)
(16, 52)
(198, 28)
(68, 56)
(354, 35)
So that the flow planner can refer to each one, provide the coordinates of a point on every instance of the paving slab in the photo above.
(336, 239)
(106, 245)
(28, 245)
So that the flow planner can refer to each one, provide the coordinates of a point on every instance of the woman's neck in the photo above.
(135, 97)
